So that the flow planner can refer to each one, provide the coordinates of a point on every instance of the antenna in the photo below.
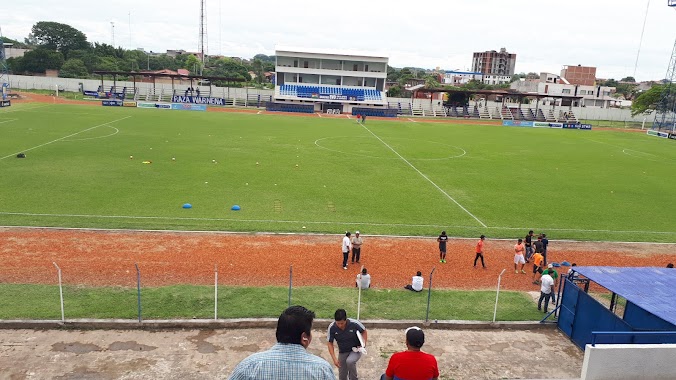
(130, 45)
(202, 48)
(112, 32)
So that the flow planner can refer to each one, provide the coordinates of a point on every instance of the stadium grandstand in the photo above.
(327, 81)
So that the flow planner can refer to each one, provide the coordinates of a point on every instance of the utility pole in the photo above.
(665, 115)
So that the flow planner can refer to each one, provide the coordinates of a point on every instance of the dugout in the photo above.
(639, 310)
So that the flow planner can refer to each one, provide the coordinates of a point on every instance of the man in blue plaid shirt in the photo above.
(288, 359)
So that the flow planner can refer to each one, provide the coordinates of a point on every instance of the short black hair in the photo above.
(520, 240)
(670, 265)
(292, 323)
(419, 273)
(340, 315)
(530, 232)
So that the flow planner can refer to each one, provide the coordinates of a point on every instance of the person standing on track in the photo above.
(356, 241)
(480, 251)
(346, 248)
(442, 239)
(518, 256)
(529, 245)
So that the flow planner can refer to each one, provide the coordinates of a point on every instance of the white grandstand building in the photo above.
(330, 81)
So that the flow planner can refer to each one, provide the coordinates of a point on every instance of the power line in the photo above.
(640, 42)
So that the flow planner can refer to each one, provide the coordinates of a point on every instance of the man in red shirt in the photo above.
(480, 251)
(412, 364)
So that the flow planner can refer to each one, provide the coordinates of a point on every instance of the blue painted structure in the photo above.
(650, 294)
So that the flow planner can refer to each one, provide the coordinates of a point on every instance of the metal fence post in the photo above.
(63, 317)
(138, 288)
(497, 293)
(290, 282)
(216, 291)
(429, 295)
(359, 290)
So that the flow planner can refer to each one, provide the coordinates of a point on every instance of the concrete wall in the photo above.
(629, 362)
(21, 82)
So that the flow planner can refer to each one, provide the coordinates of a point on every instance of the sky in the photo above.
(545, 35)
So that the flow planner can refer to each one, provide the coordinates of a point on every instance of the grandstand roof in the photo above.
(650, 288)
(344, 52)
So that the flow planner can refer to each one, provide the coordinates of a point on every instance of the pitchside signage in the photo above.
(188, 107)
(517, 123)
(658, 134)
(198, 100)
(5, 103)
(111, 103)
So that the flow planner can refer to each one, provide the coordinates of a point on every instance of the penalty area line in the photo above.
(65, 137)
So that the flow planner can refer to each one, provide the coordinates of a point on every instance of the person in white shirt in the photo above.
(546, 290)
(416, 284)
(363, 279)
(346, 248)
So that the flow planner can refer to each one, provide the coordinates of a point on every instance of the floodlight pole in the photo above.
(63, 317)
(497, 294)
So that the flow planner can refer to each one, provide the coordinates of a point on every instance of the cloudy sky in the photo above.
(544, 34)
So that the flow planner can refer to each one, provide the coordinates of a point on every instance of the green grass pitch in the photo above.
(386, 177)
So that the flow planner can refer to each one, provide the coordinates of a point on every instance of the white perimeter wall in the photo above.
(629, 362)
(21, 82)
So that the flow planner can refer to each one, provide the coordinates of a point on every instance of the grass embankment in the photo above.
(185, 301)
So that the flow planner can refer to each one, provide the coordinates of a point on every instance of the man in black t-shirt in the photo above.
(344, 331)
(529, 245)
(442, 239)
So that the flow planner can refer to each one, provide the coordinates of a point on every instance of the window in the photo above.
(366, 67)
(565, 91)
(355, 67)
(305, 64)
(295, 63)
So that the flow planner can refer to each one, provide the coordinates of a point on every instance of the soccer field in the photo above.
(312, 174)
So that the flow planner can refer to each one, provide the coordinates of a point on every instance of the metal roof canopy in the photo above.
(173, 76)
(650, 288)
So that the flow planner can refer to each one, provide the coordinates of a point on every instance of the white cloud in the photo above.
(544, 35)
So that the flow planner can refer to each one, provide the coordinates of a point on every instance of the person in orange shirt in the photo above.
(538, 261)
(480, 251)
(519, 249)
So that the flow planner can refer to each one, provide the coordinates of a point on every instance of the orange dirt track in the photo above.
(96, 258)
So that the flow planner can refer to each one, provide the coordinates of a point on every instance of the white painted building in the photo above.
(342, 78)
(458, 78)
(591, 96)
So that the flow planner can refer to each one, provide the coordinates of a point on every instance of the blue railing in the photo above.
(631, 333)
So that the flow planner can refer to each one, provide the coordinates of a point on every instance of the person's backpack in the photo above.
(21, 155)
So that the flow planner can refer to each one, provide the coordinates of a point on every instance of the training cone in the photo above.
(235, 208)
(187, 205)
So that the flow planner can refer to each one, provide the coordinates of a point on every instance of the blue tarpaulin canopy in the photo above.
(652, 289)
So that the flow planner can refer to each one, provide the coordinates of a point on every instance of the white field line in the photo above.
(306, 222)
(65, 137)
(7, 121)
(424, 176)
(25, 109)
(98, 137)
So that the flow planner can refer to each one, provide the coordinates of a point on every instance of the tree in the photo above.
(229, 68)
(532, 75)
(628, 79)
(39, 60)
(17, 44)
(608, 83)
(60, 37)
(73, 68)
(257, 68)
(192, 64)
(647, 101)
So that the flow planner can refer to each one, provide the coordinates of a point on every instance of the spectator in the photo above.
(529, 245)
(518, 256)
(346, 248)
(357, 242)
(416, 283)
(363, 279)
(546, 291)
(670, 265)
(537, 267)
(412, 364)
(545, 243)
(198, 91)
(344, 331)
(442, 239)
(572, 275)
(480, 251)
(288, 359)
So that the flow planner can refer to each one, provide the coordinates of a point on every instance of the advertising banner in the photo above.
(91, 93)
(188, 107)
(5, 103)
(163, 106)
(198, 100)
(129, 104)
(586, 127)
(145, 105)
(540, 124)
(556, 125)
(111, 103)
(652, 132)
(672, 136)
(517, 123)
